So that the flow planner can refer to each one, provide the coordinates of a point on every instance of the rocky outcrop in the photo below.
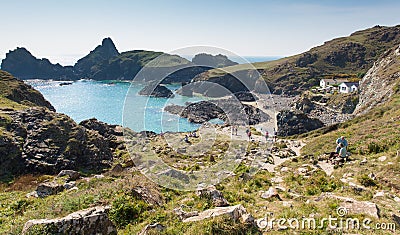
(295, 122)
(151, 228)
(17, 91)
(380, 82)
(89, 221)
(213, 61)
(200, 112)
(70, 174)
(353, 206)
(22, 64)
(224, 109)
(233, 212)
(89, 65)
(212, 193)
(49, 188)
(42, 141)
(245, 96)
(151, 197)
(156, 91)
(112, 133)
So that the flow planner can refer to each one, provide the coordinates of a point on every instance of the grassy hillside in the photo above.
(352, 55)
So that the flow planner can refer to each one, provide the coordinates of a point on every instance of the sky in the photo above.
(65, 30)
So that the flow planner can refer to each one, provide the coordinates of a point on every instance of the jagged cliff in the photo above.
(36, 139)
(22, 64)
(380, 82)
(89, 65)
(105, 63)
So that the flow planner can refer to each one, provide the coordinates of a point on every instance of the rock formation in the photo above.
(87, 66)
(22, 64)
(224, 109)
(296, 122)
(216, 61)
(159, 91)
(89, 221)
(380, 82)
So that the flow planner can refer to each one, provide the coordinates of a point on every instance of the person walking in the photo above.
(266, 136)
(249, 134)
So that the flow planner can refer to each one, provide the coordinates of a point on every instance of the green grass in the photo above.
(286, 74)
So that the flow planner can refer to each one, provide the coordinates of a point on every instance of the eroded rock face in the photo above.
(295, 122)
(378, 85)
(46, 142)
(22, 64)
(89, 221)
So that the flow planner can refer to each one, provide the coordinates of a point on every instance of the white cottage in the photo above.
(324, 83)
(348, 87)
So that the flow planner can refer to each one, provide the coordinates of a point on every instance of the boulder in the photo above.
(382, 158)
(271, 193)
(234, 212)
(355, 207)
(157, 227)
(89, 221)
(183, 214)
(396, 219)
(70, 185)
(72, 175)
(247, 218)
(151, 197)
(214, 194)
(49, 188)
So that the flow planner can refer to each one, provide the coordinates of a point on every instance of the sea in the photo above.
(117, 102)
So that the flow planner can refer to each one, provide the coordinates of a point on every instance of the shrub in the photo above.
(366, 181)
(125, 209)
(376, 147)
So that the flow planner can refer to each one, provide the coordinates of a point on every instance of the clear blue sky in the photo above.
(71, 28)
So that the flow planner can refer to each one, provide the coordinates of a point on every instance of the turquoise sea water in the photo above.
(108, 102)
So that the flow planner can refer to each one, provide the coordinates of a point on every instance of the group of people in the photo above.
(191, 134)
(340, 151)
(248, 133)
(234, 130)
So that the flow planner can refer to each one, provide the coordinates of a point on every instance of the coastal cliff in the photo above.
(354, 54)
(35, 139)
